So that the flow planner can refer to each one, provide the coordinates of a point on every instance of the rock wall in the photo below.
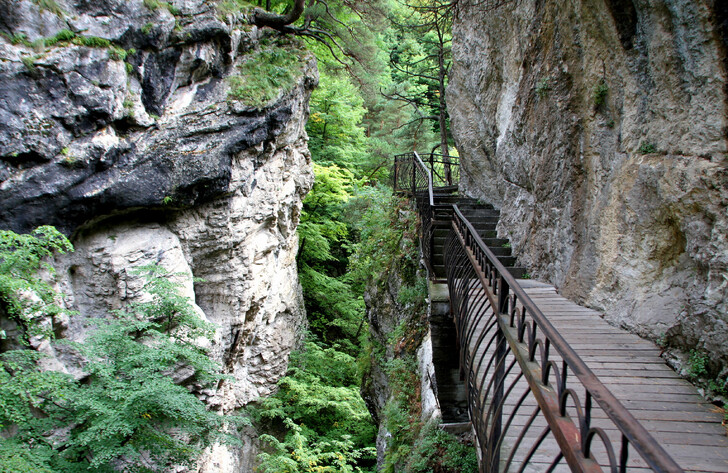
(598, 127)
(134, 149)
(385, 313)
(399, 380)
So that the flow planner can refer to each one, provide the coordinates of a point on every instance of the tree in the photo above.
(128, 410)
(25, 298)
(421, 61)
(329, 23)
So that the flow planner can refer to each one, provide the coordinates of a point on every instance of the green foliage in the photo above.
(387, 233)
(415, 294)
(233, 7)
(335, 311)
(24, 390)
(697, 363)
(437, 450)
(117, 54)
(50, 5)
(17, 38)
(266, 73)
(29, 63)
(414, 447)
(94, 42)
(334, 127)
(16, 457)
(130, 407)
(402, 411)
(600, 92)
(61, 36)
(128, 410)
(153, 5)
(647, 148)
(24, 296)
(420, 58)
(326, 426)
(543, 86)
(147, 28)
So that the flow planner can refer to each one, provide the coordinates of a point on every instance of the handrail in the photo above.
(428, 173)
(503, 283)
(514, 331)
(443, 171)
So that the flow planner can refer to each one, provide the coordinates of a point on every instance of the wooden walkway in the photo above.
(669, 407)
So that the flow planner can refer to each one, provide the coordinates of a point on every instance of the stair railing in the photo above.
(526, 382)
(443, 172)
(506, 343)
(425, 201)
(419, 178)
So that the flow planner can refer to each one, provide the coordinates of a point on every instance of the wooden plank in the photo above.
(631, 368)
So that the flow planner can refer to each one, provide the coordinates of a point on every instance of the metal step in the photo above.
(516, 271)
(438, 248)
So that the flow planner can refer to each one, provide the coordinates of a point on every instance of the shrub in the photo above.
(50, 5)
(325, 424)
(94, 42)
(264, 75)
(17, 38)
(127, 410)
(22, 257)
(29, 63)
(543, 86)
(647, 148)
(600, 92)
(61, 36)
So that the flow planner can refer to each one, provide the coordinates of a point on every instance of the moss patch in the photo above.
(268, 71)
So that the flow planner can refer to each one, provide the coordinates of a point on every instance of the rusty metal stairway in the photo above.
(484, 218)
(451, 391)
(599, 398)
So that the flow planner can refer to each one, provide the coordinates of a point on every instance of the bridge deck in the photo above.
(669, 407)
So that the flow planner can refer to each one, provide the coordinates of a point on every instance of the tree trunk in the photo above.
(442, 72)
(275, 21)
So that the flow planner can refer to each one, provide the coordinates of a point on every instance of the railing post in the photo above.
(432, 168)
(448, 171)
(499, 382)
(396, 168)
(414, 176)
(503, 291)
(498, 399)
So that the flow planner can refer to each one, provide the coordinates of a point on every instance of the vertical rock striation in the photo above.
(598, 127)
(125, 138)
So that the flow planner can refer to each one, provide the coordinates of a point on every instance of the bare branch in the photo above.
(276, 21)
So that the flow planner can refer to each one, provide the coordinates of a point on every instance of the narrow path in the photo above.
(669, 407)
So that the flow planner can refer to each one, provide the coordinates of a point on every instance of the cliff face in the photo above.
(134, 148)
(599, 129)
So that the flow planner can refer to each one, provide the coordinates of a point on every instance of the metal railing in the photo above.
(415, 177)
(442, 171)
(533, 402)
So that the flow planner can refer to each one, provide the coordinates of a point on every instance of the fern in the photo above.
(130, 411)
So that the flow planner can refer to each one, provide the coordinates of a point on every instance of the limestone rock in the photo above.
(598, 129)
(136, 152)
